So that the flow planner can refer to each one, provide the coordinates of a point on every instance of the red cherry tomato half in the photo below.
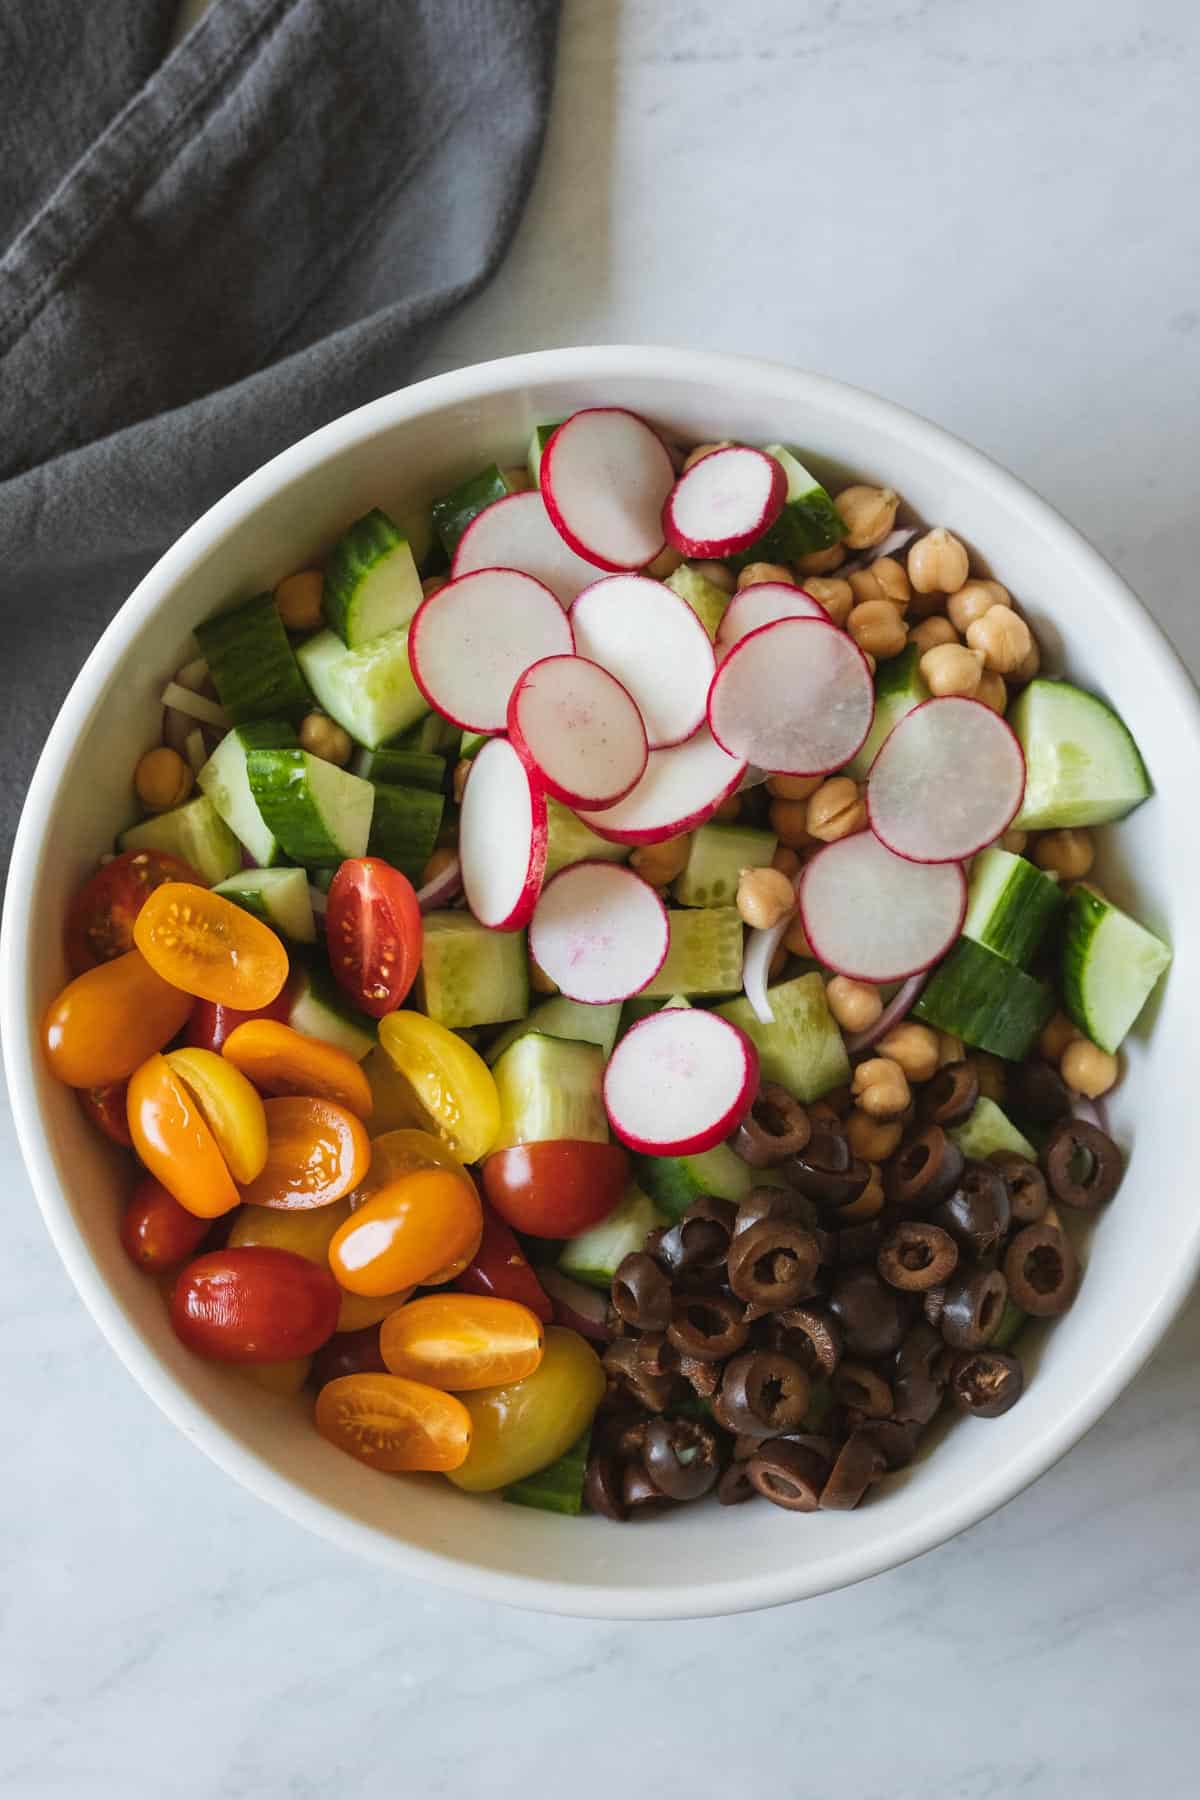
(211, 1023)
(105, 1107)
(501, 1269)
(100, 918)
(254, 1305)
(156, 1231)
(348, 1353)
(556, 1189)
(374, 933)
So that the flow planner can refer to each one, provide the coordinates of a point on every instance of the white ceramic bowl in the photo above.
(703, 1559)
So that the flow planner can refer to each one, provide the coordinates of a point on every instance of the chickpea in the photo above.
(718, 574)
(854, 1004)
(787, 862)
(702, 450)
(1087, 1069)
(729, 810)
(795, 941)
(868, 513)
(937, 562)
(298, 600)
(1056, 1035)
(930, 633)
(1003, 637)
(755, 573)
(836, 810)
(952, 669)
(821, 562)
(659, 864)
(789, 822)
(974, 599)
(323, 737)
(1029, 664)
(993, 691)
(951, 1049)
(836, 596)
(539, 981)
(461, 770)
(1014, 842)
(1067, 854)
(764, 896)
(878, 628)
(162, 780)
(881, 1088)
(914, 1047)
(517, 478)
(793, 787)
(664, 564)
(884, 579)
(874, 1140)
(433, 584)
(993, 1082)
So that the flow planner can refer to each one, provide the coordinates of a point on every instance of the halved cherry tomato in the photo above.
(525, 1425)
(156, 1232)
(211, 1024)
(458, 1341)
(280, 1378)
(105, 1107)
(393, 1424)
(395, 1106)
(282, 1061)
(110, 1019)
(316, 1152)
(204, 944)
(232, 1108)
(309, 1232)
(556, 1189)
(173, 1139)
(421, 1228)
(348, 1353)
(374, 933)
(452, 1082)
(254, 1306)
(396, 1153)
(100, 917)
(500, 1267)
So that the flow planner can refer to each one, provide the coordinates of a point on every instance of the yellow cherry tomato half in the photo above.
(393, 1424)
(409, 1232)
(451, 1081)
(309, 1233)
(525, 1425)
(396, 1153)
(172, 1136)
(232, 1108)
(204, 944)
(395, 1106)
(316, 1152)
(461, 1341)
(282, 1061)
(282, 1378)
(109, 1020)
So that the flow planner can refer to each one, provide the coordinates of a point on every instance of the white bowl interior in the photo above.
(415, 444)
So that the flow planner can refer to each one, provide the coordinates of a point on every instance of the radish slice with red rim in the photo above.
(724, 501)
(471, 642)
(947, 781)
(876, 916)
(795, 697)
(516, 533)
(599, 932)
(652, 641)
(605, 477)
(762, 604)
(574, 724)
(501, 838)
(681, 788)
(679, 1082)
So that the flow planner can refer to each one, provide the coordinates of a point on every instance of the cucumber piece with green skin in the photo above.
(321, 814)
(472, 744)
(1110, 967)
(1012, 1322)
(977, 996)
(716, 857)
(704, 954)
(431, 735)
(558, 1488)
(705, 598)
(401, 768)
(673, 1182)
(470, 975)
(987, 1129)
(454, 511)
(254, 669)
(196, 832)
(638, 1007)
(899, 687)
(550, 1088)
(558, 1017)
(224, 779)
(319, 1009)
(539, 438)
(405, 822)
(596, 1255)
(569, 840)
(809, 520)
(371, 581)
(1082, 766)
(370, 692)
(803, 1048)
(280, 897)
(1010, 905)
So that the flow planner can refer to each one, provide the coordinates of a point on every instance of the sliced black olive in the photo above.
(639, 1493)
(974, 1307)
(950, 1097)
(932, 1302)
(916, 1255)
(826, 1171)
(873, 1316)
(763, 1392)
(1027, 1196)
(810, 1335)
(1039, 1091)
(699, 1240)
(856, 1384)
(773, 1263)
(976, 1214)
(774, 1203)
(651, 1391)
(709, 1327)
(641, 1292)
(735, 1485)
(656, 1354)
(602, 1487)
(897, 1441)
(704, 1376)
(681, 1457)
(986, 1382)
(860, 1462)
(1083, 1165)
(789, 1475)
(1042, 1270)
(775, 1127)
(924, 1170)
(859, 1243)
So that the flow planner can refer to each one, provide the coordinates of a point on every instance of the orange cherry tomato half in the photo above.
(556, 1189)
(211, 1024)
(282, 1061)
(410, 1232)
(109, 1020)
(100, 918)
(204, 944)
(316, 1152)
(156, 1232)
(374, 933)
(393, 1424)
(173, 1139)
(254, 1306)
(460, 1341)
(105, 1107)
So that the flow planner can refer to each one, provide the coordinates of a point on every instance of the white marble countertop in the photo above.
(989, 214)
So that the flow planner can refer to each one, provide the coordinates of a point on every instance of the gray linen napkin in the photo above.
(206, 258)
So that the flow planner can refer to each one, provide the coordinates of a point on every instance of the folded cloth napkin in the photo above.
(205, 257)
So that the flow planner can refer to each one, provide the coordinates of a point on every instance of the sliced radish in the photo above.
(517, 533)
(652, 641)
(471, 642)
(876, 916)
(599, 931)
(579, 729)
(762, 604)
(605, 477)
(795, 697)
(681, 788)
(949, 779)
(724, 501)
(680, 1082)
(501, 838)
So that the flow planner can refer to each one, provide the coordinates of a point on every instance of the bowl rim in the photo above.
(468, 384)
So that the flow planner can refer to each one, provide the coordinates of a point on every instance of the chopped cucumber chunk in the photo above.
(470, 975)
(705, 598)
(673, 1182)
(454, 511)
(405, 823)
(371, 581)
(596, 1255)
(987, 1130)
(803, 1048)
(1082, 767)
(1010, 905)
(1012, 1322)
(225, 780)
(977, 996)
(809, 520)
(321, 1010)
(196, 832)
(561, 1018)
(559, 1488)
(899, 687)
(433, 735)
(716, 857)
(540, 437)
(321, 814)
(401, 768)
(370, 692)
(278, 896)
(1111, 965)
(704, 955)
(252, 664)
(550, 1088)
(569, 840)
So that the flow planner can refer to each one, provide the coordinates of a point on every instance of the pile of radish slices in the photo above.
(607, 694)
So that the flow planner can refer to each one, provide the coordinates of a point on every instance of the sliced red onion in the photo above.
(194, 674)
(894, 541)
(194, 749)
(443, 887)
(176, 729)
(195, 706)
(761, 946)
(580, 1308)
(896, 1009)
(1092, 1112)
